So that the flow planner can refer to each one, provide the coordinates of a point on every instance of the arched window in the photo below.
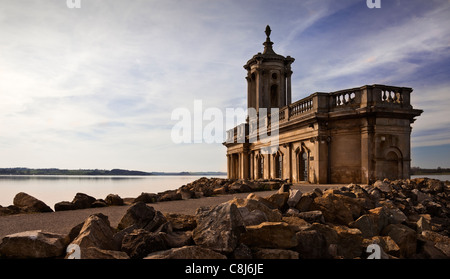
(261, 167)
(274, 96)
(303, 162)
(278, 165)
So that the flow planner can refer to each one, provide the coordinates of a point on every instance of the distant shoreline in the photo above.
(97, 172)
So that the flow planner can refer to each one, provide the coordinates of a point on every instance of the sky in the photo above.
(95, 86)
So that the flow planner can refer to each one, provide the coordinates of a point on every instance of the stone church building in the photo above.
(355, 135)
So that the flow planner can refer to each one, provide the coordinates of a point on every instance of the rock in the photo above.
(371, 224)
(404, 236)
(139, 243)
(349, 245)
(382, 186)
(146, 198)
(387, 244)
(279, 200)
(169, 195)
(177, 239)
(181, 222)
(10, 210)
(219, 228)
(96, 253)
(113, 199)
(239, 187)
(81, 201)
(305, 202)
(423, 225)
(64, 205)
(315, 216)
(311, 245)
(420, 196)
(278, 235)
(96, 232)
(186, 252)
(142, 216)
(296, 223)
(186, 194)
(28, 203)
(242, 252)
(33, 244)
(276, 254)
(396, 216)
(273, 215)
(294, 197)
(285, 188)
(433, 208)
(99, 203)
(336, 208)
(254, 217)
(440, 242)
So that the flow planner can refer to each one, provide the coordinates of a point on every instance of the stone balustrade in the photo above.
(368, 96)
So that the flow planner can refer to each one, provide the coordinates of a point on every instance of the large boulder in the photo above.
(139, 243)
(219, 228)
(81, 201)
(311, 245)
(439, 241)
(254, 217)
(96, 232)
(277, 235)
(147, 198)
(404, 236)
(64, 205)
(371, 224)
(337, 208)
(349, 244)
(29, 203)
(187, 252)
(33, 244)
(142, 216)
(113, 199)
(273, 215)
(181, 222)
(294, 197)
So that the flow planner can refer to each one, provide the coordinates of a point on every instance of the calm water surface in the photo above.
(55, 188)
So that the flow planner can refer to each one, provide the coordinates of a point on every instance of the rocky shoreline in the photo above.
(203, 187)
(404, 218)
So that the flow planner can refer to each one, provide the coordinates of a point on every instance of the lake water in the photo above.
(55, 188)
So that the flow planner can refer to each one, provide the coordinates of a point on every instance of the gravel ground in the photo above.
(63, 221)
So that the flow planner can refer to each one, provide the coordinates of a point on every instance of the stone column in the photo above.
(288, 88)
(228, 166)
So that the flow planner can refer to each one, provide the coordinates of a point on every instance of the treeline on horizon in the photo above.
(420, 171)
(55, 171)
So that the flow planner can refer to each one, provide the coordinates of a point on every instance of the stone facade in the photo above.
(355, 135)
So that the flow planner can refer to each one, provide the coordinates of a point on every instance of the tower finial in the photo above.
(268, 44)
(268, 31)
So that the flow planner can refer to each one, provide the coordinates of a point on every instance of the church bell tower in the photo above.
(268, 78)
